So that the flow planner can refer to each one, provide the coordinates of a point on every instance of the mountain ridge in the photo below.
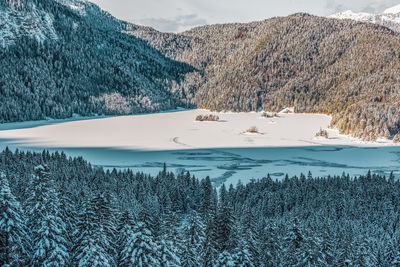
(303, 61)
(314, 64)
(86, 65)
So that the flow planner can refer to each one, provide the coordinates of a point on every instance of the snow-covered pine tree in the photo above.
(242, 258)
(311, 253)
(270, 246)
(105, 217)
(88, 250)
(148, 218)
(224, 221)
(293, 245)
(193, 234)
(169, 243)
(68, 214)
(363, 253)
(168, 254)
(206, 195)
(248, 236)
(14, 240)
(224, 260)
(47, 227)
(209, 251)
(124, 230)
(169, 226)
(140, 249)
(189, 258)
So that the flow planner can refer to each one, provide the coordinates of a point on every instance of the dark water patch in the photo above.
(193, 153)
(223, 178)
(325, 149)
(153, 165)
(238, 167)
(216, 158)
(201, 170)
(277, 174)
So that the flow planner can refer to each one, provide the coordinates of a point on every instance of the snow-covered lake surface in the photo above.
(222, 150)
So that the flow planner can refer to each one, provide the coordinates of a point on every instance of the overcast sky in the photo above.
(180, 15)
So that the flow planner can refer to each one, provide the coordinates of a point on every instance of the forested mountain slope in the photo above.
(345, 68)
(63, 57)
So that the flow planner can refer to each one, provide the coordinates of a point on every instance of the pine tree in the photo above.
(293, 245)
(89, 251)
(242, 258)
(193, 236)
(105, 215)
(68, 214)
(270, 245)
(189, 258)
(206, 197)
(225, 260)
(140, 248)
(224, 222)
(311, 253)
(248, 235)
(49, 238)
(14, 240)
(168, 254)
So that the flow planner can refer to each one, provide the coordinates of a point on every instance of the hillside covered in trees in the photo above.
(345, 68)
(60, 57)
(59, 211)
(63, 57)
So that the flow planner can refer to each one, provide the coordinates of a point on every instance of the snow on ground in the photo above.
(179, 130)
(222, 150)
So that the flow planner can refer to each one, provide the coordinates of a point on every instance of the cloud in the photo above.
(176, 24)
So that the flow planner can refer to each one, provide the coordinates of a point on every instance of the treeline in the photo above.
(65, 212)
(55, 62)
(344, 68)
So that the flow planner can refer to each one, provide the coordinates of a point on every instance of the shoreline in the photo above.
(178, 130)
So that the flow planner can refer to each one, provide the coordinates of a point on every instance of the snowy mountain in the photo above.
(64, 57)
(392, 10)
(389, 18)
(18, 19)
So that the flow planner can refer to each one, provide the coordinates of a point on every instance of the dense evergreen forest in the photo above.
(56, 61)
(60, 211)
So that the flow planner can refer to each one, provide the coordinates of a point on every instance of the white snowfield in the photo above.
(392, 10)
(179, 130)
(389, 17)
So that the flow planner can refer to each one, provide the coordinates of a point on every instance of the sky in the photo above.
(180, 15)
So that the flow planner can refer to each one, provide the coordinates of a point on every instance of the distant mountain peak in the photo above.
(389, 18)
(392, 10)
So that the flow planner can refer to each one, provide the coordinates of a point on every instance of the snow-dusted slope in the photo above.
(348, 14)
(392, 10)
(389, 18)
(77, 5)
(21, 20)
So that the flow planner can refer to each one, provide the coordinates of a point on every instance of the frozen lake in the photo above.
(216, 149)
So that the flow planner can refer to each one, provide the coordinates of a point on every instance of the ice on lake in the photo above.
(285, 145)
